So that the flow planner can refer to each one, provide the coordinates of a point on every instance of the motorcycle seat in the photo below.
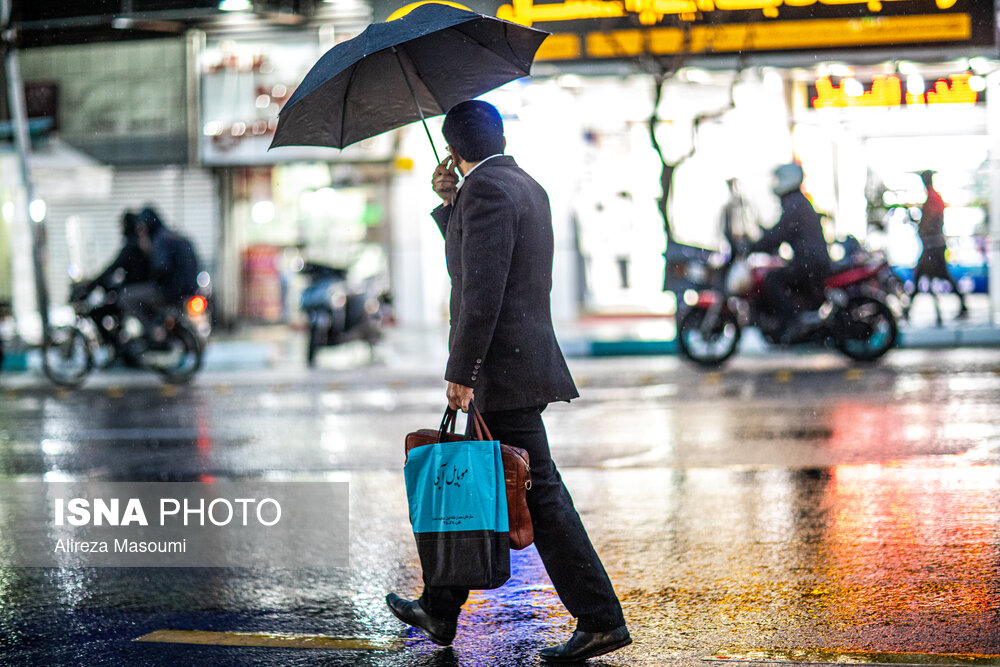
(853, 275)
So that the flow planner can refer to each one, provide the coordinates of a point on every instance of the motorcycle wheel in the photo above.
(868, 329)
(185, 353)
(66, 356)
(711, 348)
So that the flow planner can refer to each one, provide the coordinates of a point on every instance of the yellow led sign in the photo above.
(761, 36)
(887, 91)
(651, 12)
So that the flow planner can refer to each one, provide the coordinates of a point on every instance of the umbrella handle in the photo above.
(413, 94)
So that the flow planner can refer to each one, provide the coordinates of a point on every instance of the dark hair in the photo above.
(927, 177)
(151, 220)
(130, 225)
(474, 130)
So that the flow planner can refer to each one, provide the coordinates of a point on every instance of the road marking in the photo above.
(713, 377)
(783, 376)
(168, 391)
(115, 392)
(10, 394)
(834, 656)
(272, 640)
(853, 374)
(222, 389)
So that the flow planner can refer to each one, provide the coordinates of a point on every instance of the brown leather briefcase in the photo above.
(516, 469)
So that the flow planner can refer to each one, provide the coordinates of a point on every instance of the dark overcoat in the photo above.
(801, 228)
(499, 248)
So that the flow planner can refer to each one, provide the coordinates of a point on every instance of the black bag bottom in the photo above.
(473, 559)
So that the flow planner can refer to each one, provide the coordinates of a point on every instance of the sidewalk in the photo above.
(424, 349)
(599, 336)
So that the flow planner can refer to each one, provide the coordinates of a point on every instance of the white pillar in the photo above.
(420, 283)
(993, 136)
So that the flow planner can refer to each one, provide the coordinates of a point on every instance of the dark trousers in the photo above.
(562, 542)
(932, 264)
(790, 289)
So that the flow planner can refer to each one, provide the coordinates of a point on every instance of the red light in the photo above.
(197, 305)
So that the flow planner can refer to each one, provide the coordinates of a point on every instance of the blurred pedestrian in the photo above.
(739, 227)
(498, 235)
(933, 263)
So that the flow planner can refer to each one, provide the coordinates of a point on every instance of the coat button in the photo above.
(479, 361)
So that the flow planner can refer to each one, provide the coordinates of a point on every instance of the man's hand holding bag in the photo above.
(516, 470)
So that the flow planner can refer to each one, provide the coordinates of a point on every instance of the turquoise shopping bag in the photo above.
(458, 510)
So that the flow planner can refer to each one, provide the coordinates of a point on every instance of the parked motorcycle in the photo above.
(103, 334)
(851, 313)
(340, 310)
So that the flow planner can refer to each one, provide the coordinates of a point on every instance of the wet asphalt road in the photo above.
(784, 503)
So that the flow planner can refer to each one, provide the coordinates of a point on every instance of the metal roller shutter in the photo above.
(86, 233)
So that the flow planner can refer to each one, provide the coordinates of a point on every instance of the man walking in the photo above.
(932, 263)
(503, 351)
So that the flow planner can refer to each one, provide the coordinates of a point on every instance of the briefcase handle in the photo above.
(482, 432)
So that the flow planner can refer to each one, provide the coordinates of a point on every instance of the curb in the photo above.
(229, 355)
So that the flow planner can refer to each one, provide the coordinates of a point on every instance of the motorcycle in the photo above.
(889, 284)
(851, 313)
(103, 334)
(339, 310)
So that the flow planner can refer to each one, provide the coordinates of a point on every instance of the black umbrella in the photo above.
(401, 71)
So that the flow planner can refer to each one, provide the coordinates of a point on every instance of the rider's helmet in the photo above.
(787, 178)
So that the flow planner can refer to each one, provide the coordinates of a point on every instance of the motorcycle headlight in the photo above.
(697, 273)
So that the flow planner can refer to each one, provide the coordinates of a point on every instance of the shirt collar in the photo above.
(478, 164)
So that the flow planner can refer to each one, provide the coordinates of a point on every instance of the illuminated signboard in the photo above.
(892, 91)
(589, 29)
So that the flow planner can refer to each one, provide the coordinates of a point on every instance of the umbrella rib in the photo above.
(506, 31)
(343, 109)
(413, 94)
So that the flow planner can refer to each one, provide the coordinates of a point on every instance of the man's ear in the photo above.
(504, 145)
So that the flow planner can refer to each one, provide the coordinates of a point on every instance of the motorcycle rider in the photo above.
(173, 274)
(130, 267)
(800, 280)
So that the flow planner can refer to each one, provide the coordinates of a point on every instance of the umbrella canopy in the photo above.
(400, 71)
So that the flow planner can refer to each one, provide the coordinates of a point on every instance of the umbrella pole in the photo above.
(413, 94)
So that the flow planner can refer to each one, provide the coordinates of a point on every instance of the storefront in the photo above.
(582, 129)
(291, 206)
(865, 133)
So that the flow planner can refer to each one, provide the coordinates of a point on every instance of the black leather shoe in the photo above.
(410, 612)
(584, 645)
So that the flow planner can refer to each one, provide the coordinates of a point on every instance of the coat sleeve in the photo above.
(772, 238)
(107, 277)
(489, 222)
(441, 215)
